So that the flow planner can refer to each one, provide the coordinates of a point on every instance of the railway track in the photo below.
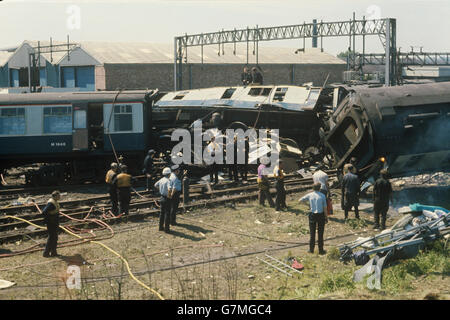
(142, 206)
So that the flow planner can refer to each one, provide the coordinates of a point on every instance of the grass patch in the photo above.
(357, 223)
(297, 228)
(433, 260)
(337, 281)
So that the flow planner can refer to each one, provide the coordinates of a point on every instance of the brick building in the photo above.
(109, 66)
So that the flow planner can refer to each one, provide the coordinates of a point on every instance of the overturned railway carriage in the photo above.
(294, 110)
(405, 128)
(73, 133)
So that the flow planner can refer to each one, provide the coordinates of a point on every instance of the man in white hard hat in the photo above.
(164, 185)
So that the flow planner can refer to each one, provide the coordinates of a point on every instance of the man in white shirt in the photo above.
(317, 217)
(212, 148)
(321, 177)
(164, 185)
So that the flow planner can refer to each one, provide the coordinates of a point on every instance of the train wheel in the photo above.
(238, 125)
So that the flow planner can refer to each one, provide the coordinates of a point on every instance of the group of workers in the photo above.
(233, 169)
(254, 77)
(170, 187)
(320, 206)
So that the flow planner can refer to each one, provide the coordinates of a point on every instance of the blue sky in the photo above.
(419, 22)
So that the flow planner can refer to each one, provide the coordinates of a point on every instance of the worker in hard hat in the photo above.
(123, 182)
(164, 185)
(112, 189)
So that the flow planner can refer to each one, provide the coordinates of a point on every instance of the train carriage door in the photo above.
(80, 131)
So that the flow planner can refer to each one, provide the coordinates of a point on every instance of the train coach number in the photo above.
(57, 144)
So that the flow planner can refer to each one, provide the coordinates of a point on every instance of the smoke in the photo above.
(431, 190)
(431, 136)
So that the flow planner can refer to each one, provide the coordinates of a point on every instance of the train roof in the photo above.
(70, 97)
(289, 97)
(405, 95)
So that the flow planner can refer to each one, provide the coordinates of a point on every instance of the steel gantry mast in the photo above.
(384, 28)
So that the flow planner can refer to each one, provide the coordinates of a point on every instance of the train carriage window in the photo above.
(58, 119)
(280, 93)
(123, 118)
(266, 92)
(228, 93)
(79, 120)
(258, 91)
(12, 121)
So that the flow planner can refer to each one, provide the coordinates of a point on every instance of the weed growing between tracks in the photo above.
(211, 254)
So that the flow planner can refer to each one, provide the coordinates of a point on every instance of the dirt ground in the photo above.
(213, 253)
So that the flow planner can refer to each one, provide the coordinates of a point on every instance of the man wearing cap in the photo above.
(317, 217)
(164, 185)
(123, 183)
(382, 192)
(350, 192)
(278, 173)
(51, 219)
(175, 193)
(112, 189)
(148, 168)
(263, 182)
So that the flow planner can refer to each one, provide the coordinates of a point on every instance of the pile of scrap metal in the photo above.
(420, 225)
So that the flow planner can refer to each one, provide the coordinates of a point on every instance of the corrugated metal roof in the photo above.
(164, 53)
(4, 57)
(145, 52)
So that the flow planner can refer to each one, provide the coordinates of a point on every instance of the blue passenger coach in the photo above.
(73, 134)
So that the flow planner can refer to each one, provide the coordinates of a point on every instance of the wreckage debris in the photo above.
(421, 225)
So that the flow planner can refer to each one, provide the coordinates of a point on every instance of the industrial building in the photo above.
(90, 66)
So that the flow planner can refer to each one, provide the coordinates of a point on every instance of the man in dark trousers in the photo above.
(280, 200)
(112, 189)
(51, 219)
(317, 217)
(148, 168)
(233, 168)
(212, 148)
(246, 77)
(256, 76)
(244, 167)
(264, 183)
(382, 193)
(350, 192)
(164, 185)
(123, 183)
(175, 193)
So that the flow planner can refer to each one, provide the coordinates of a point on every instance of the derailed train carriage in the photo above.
(405, 128)
(75, 134)
(294, 110)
